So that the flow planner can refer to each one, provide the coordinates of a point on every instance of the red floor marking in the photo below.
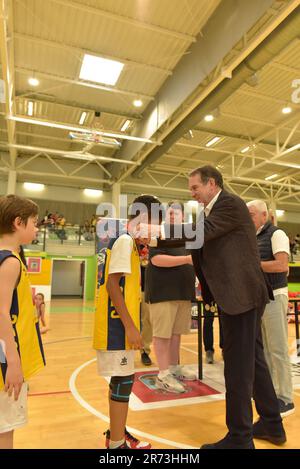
(49, 393)
(148, 393)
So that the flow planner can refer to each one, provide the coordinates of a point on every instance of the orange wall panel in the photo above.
(44, 277)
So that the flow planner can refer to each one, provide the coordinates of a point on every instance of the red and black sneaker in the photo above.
(130, 441)
(134, 443)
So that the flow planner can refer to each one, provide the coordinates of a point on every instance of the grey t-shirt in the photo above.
(169, 283)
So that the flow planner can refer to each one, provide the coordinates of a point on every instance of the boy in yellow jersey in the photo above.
(117, 320)
(21, 351)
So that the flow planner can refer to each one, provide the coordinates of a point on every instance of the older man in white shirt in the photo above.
(274, 250)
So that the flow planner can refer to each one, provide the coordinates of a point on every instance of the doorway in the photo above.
(68, 278)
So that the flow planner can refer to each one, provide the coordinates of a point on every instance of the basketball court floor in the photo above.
(68, 406)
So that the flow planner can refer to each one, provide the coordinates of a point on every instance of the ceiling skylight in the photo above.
(100, 70)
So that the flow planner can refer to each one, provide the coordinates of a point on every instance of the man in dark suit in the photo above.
(228, 268)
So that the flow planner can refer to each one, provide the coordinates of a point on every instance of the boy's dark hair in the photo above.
(12, 207)
(176, 205)
(146, 204)
(207, 172)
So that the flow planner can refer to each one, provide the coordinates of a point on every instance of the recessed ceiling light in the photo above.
(32, 186)
(286, 110)
(209, 118)
(125, 125)
(244, 150)
(82, 117)
(138, 103)
(33, 81)
(212, 141)
(30, 108)
(271, 177)
(93, 193)
(100, 70)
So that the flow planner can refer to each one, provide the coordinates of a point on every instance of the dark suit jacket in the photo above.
(228, 264)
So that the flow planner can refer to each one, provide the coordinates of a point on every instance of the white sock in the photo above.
(116, 444)
(163, 373)
(174, 368)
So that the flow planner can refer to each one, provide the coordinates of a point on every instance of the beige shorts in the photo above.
(13, 414)
(115, 362)
(170, 317)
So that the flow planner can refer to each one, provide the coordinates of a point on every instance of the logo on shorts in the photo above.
(124, 361)
(2, 351)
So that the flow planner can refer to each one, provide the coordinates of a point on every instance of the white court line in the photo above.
(99, 415)
(189, 350)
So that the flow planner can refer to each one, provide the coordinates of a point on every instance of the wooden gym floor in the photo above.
(58, 420)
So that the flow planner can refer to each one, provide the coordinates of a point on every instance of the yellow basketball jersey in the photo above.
(109, 332)
(25, 326)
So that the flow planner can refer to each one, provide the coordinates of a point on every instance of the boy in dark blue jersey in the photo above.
(21, 352)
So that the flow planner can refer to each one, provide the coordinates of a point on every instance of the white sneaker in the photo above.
(184, 373)
(169, 384)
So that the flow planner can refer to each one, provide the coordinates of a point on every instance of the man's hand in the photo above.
(14, 380)
(189, 260)
(134, 338)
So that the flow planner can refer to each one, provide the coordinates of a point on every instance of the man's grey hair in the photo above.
(260, 205)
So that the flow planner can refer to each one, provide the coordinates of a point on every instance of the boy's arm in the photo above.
(9, 275)
(117, 298)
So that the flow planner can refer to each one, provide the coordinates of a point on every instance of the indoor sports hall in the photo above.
(102, 101)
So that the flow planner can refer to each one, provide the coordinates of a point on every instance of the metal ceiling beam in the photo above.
(236, 153)
(247, 119)
(250, 180)
(126, 20)
(262, 137)
(7, 59)
(244, 138)
(278, 154)
(43, 136)
(215, 93)
(285, 68)
(81, 129)
(110, 89)
(69, 154)
(79, 179)
(264, 97)
(77, 51)
(40, 97)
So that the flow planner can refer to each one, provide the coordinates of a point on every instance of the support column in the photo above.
(12, 182)
(272, 210)
(116, 192)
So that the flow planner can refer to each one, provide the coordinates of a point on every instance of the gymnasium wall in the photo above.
(77, 207)
(42, 281)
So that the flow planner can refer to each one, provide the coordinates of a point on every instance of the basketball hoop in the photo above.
(94, 136)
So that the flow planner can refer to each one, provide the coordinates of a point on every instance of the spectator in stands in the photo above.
(61, 221)
(93, 223)
(297, 241)
(273, 246)
(170, 288)
(87, 226)
(45, 219)
(60, 224)
(292, 244)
